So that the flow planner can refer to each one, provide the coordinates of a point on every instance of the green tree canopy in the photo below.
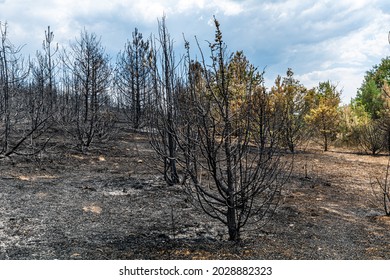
(369, 96)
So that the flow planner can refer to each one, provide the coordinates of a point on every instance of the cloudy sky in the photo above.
(320, 40)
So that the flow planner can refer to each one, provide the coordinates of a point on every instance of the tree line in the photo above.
(80, 89)
(213, 124)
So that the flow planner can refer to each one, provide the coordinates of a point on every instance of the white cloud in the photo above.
(347, 79)
(145, 11)
(228, 8)
(149, 11)
(188, 5)
(346, 57)
(325, 40)
(336, 40)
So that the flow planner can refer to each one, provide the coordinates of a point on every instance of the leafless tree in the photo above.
(90, 72)
(235, 173)
(371, 137)
(43, 85)
(21, 103)
(381, 190)
(163, 105)
(47, 64)
(132, 77)
(5, 108)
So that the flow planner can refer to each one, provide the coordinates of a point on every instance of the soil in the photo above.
(112, 203)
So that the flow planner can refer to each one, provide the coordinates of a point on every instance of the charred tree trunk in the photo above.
(163, 112)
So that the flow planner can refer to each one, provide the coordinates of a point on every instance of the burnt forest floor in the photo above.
(111, 203)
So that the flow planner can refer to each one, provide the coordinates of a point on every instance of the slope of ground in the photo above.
(111, 203)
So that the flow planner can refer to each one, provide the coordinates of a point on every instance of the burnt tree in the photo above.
(163, 104)
(234, 172)
(90, 73)
(132, 77)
